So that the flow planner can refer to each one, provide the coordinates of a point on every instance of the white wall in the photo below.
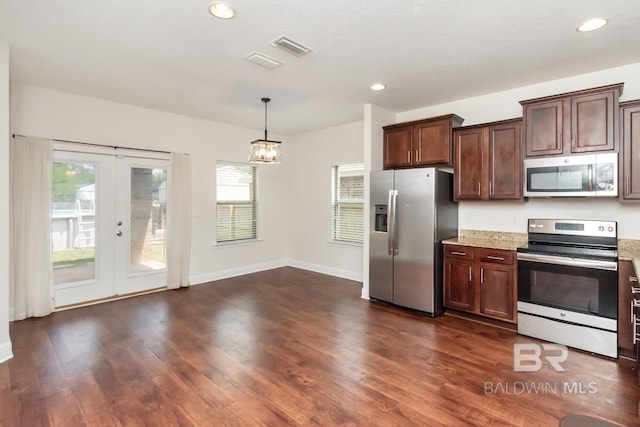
(5, 340)
(57, 115)
(512, 216)
(313, 154)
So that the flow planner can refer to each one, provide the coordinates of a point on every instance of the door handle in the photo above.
(119, 233)
(391, 223)
(394, 221)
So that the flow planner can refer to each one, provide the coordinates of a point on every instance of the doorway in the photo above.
(108, 222)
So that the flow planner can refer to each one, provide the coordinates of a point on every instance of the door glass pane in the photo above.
(148, 220)
(73, 222)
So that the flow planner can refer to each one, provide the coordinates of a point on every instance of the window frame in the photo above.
(337, 202)
(252, 202)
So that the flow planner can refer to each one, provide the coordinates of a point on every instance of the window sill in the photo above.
(234, 243)
(343, 243)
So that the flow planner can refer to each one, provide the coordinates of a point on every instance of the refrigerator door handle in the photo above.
(391, 242)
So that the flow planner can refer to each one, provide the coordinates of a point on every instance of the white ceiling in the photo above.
(172, 55)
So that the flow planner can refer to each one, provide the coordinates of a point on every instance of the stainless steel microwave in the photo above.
(571, 176)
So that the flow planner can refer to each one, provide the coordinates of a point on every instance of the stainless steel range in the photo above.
(568, 284)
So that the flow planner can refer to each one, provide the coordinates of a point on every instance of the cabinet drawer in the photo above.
(458, 251)
(496, 256)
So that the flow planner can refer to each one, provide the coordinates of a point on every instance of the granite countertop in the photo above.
(488, 239)
(628, 250)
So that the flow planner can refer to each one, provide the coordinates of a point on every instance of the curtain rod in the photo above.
(115, 147)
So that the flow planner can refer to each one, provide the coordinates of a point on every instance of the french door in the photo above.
(108, 219)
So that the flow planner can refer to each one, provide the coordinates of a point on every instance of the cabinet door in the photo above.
(505, 162)
(631, 151)
(593, 122)
(459, 291)
(397, 147)
(467, 176)
(496, 287)
(432, 143)
(626, 279)
(543, 127)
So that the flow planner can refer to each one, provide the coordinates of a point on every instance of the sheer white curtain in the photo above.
(31, 276)
(179, 221)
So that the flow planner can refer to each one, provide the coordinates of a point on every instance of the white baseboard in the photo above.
(6, 352)
(345, 274)
(248, 269)
(233, 272)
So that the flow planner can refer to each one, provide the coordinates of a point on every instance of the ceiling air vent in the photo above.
(264, 60)
(291, 46)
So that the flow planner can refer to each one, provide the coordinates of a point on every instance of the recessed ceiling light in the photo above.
(378, 86)
(221, 10)
(592, 24)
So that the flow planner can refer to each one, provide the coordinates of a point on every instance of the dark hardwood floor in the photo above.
(289, 347)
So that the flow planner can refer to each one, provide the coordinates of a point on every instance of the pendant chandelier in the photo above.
(263, 150)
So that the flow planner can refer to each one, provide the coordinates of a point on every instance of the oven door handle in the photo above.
(572, 262)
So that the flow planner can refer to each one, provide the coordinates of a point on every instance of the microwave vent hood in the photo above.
(591, 175)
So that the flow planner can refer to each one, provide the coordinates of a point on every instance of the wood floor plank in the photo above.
(288, 347)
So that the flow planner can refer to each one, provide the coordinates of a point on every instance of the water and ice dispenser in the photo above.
(381, 218)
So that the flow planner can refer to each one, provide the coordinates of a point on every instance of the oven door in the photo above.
(576, 285)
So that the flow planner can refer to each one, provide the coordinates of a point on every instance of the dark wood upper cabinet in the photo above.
(572, 123)
(420, 143)
(544, 127)
(630, 170)
(468, 163)
(397, 147)
(488, 161)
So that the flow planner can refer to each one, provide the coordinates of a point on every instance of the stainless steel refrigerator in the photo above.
(412, 211)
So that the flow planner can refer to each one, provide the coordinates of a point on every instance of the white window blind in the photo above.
(236, 204)
(348, 203)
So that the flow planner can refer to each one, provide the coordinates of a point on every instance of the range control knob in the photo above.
(609, 229)
(600, 228)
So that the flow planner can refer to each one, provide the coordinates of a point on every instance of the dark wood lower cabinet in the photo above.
(626, 279)
(480, 281)
(459, 290)
(496, 291)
